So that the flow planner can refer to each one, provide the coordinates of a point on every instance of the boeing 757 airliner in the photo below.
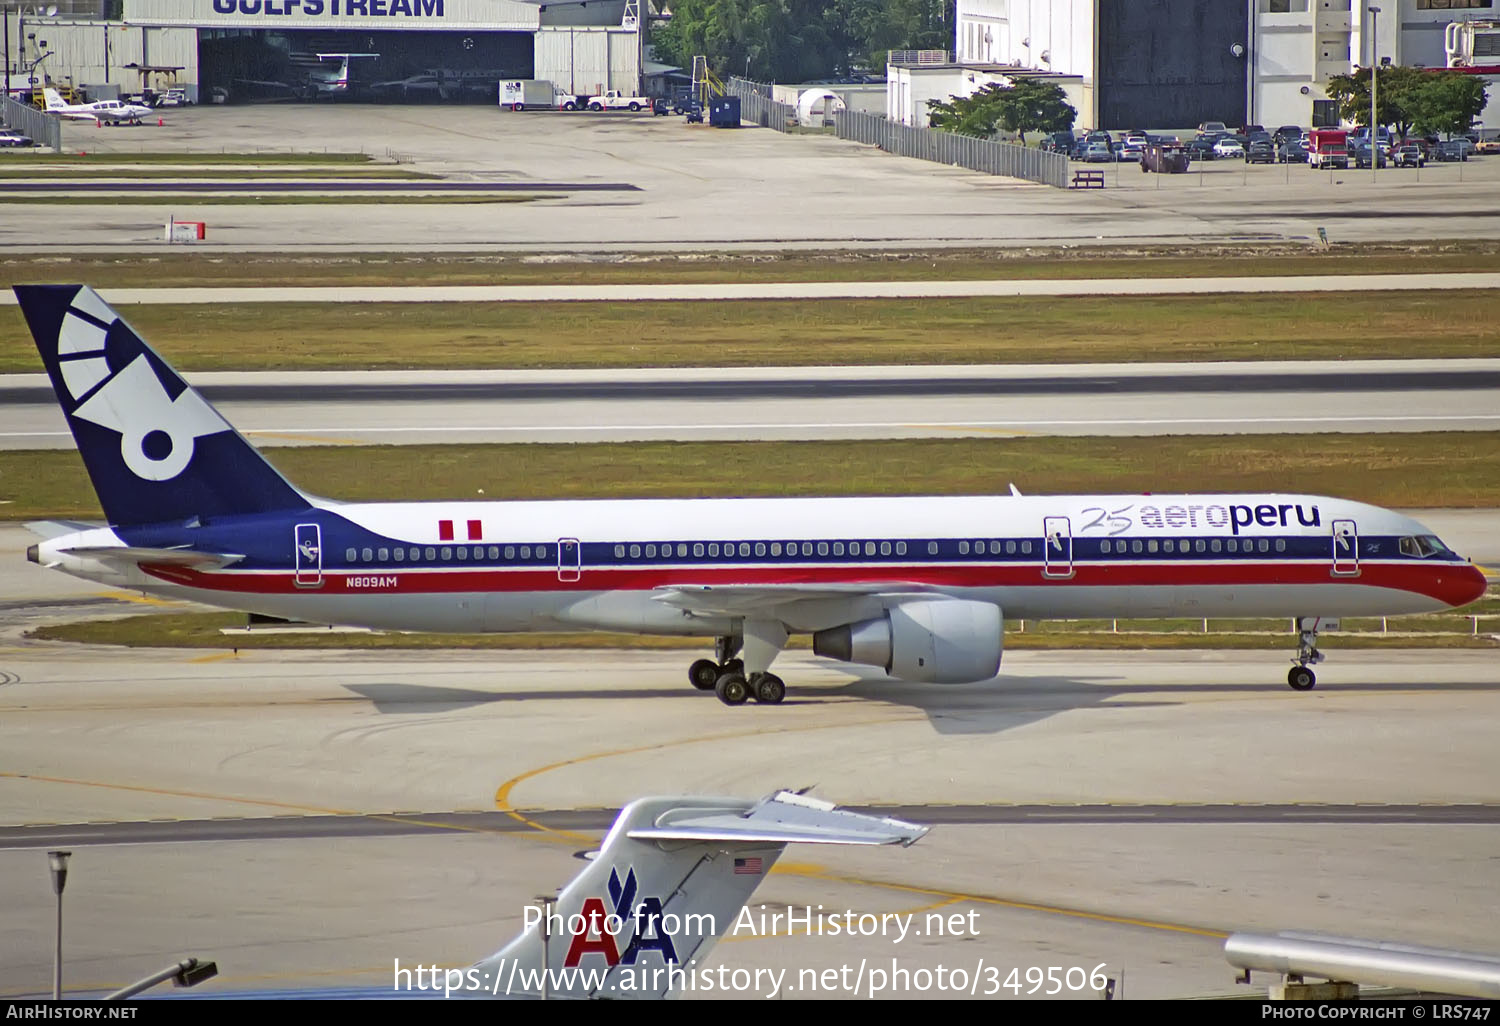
(918, 586)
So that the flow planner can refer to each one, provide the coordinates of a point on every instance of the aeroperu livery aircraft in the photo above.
(917, 586)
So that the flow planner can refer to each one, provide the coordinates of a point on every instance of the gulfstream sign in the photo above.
(332, 8)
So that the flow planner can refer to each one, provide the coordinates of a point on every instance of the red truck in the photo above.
(1328, 147)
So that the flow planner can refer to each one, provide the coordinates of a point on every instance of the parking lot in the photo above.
(707, 188)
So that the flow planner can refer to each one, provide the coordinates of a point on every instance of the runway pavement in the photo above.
(721, 291)
(1231, 802)
(344, 407)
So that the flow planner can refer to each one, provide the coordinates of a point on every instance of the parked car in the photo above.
(1252, 130)
(1362, 156)
(1467, 145)
(1409, 155)
(1097, 153)
(1059, 142)
(11, 138)
(1212, 127)
(1260, 152)
(1291, 151)
(1450, 152)
(1201, 148)
(1129, 152)
(1286, 132)
(171, 98)
(1228, 146)
(661, 106)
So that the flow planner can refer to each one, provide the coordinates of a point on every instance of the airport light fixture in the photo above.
(188, 973)
(57, 861)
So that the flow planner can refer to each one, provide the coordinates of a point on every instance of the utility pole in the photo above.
(1374, 76)
(57, 861)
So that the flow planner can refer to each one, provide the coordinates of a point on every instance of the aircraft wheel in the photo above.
(733, 666)
(769, 689)
(732, 689)
(1301, 678)
(704, 674)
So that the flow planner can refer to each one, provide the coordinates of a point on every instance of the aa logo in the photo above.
(597, 930)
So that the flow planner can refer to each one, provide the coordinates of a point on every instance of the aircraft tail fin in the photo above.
(53, 97)
(155, 449)
(671, 878)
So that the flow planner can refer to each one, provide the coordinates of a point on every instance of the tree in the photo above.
(1448, 101)
(1407, 98)
(976, 114)
(1032, 105)
(1029, 105)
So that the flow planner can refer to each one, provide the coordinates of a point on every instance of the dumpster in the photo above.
(1164, 158)
(724, 112)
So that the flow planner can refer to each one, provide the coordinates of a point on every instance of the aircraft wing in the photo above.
(742, 599)
(156, 557)
(56, 528)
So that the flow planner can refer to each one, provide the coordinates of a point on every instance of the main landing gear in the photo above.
(725, 676)
(1299, 676)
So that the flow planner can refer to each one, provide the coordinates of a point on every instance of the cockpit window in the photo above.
(1422, 546)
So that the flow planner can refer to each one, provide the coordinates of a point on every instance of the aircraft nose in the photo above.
(1462, 585)
(33, 553)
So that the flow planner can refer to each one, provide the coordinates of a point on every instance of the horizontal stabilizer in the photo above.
(156, 557)
(783, 818)
(49, 529)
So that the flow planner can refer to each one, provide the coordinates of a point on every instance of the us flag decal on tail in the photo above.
(748, 867)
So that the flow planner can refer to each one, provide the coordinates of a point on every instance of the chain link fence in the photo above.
(757, 107)
(44, 129)
(992, 158)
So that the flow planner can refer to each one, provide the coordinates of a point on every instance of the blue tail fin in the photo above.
(154, 448)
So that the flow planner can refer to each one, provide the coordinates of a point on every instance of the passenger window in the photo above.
(681, 550)
(1280, 544)
(635, 552)
(885, 547)
(1169, 545)
(713, 548)
(383, 554)
(650, 551)
(698, 549)
(963, 548)
(619, 552)
(525, 552)
(822, 548)
(838, 548)
(366, 555)
(1026, 548)
(932, 548)
(776, 548)
(807, 548)
(1216, 545)
(901, 548)
(1233, 545)
(400, 555)
(744, 548)
(447, 553)
(350, 555)
(463, 552)
(1136, 546)
(760, 548)
(1265, 545)
(431, 553)
(1198, 546)
(1104, 546)
(869, 548)
(994, 548)
(541, 552)
(1151, 545)
(1010, 548)
(510, 552)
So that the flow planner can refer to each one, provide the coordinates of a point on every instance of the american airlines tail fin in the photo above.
(669, 881)
(154, 448)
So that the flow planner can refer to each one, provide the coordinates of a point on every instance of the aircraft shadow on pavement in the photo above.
(435, 698)
(1004, 703)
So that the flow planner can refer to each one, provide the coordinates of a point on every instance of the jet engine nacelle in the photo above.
(935, 641)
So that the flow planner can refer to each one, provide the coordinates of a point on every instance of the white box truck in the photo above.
(528, 94)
